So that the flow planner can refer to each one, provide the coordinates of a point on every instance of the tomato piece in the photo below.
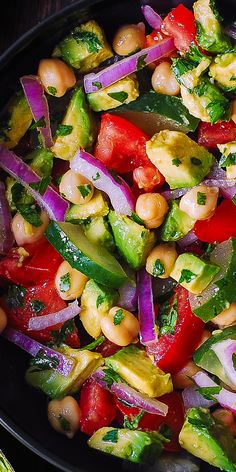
(121, 146)
(174, 419)
(219, 133)
(98, 407)
(153, 39)
(220, 227)
(172, 351)
(148, 178)
(107, 348)
(180, 24)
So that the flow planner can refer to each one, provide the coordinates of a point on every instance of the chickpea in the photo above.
(200, 202)
(25, 233)
(76, 188)
(151, 208)
(182, 379)
(233, 116)
(3, 320)
(161, 260)
(120, 326)
(69, 282)
(164, 81)
(128, 39)
(56, 76)
(64, 415)
(226, 318)
(226, 417)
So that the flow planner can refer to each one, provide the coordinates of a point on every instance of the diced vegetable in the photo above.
(180, 24)
(146, 308)
(220, 133)
(6, 236)
(15, 121)
(125, 90)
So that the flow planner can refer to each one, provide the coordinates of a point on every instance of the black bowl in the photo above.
(23, 410)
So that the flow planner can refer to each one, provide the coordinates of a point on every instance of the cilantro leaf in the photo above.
(65, 282)
(64, 130)
(93, 345)
(52, 90)
(133, 423)
(186, 276)
(115, 176)
(234, 360)
(15, 296)
(59, 337)
(136, 218)
(96, 177)
(111, 436)
(201, 198)
(208, 392)
(209, 249)
(176, 162)
(90, 39)
(230, 160)
(118, 317)
(119, 96)
(84, 190)
(41, 186)
(39, 123)
(158, 268)
(43, 362)
(100, 300)
(141, 63)
(64, 423)
(111, 376)
(166, 431)
(37, 306)
(168, 316)
(97, 84)
(25, 205)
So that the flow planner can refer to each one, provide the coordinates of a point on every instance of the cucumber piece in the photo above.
(90, 259)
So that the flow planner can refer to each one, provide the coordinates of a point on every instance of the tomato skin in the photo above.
(148, 178)
(172, 351)
(149, 422)
(219, 133)
(153, 39)
(98, 407)
(121, 146)
(180, 24)
(107, 348)
(220, 227)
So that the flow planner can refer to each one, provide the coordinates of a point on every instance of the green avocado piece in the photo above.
(222, 291)
(41, 161)
(15, 120)
(96, 301)
(84, 48)
(177, 224)
(207, 359)
(133, 240)
(207, 438)
(189, 69)
(97, 231)
(124, 91)
(81, 128)
(228, 159)
(90, 259)
(4, 464)
(223, 71)
(180, 159)
(137, 369)
(193, 273)
(94, 208)
(134, 446)
(56, 385)
(210, 34)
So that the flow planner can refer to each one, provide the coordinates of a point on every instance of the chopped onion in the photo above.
(152, 17)
(131, 396)
(192, 398)
(51, 201)
(129, 292)
(216, 172)
(146, 310)
(65, 365)
(38, 104)
(190, 238)
(224, 398)
(174, 194)
(6, 236)
(41, 322)
(116, 188)
(224, 351)
(119, 70)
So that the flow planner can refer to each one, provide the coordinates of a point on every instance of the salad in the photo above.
(118, 234)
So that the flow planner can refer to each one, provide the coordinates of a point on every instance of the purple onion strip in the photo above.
(41, 322)
(192, 398)
(6, 235)
(146, 310)
(152, 17)
(225, 398)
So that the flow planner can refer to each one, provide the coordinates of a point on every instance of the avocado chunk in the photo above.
(90, 259)
(79, 128)
(96, 301)
(56, 385)
(177, 224)
(210, 34)
(206, 358)
(137, 369)
(15, 121)
(41, 162)
(193, 273)
(96, 207)
(180, 159)
(124, 91)
(223, 71)
(188, 69)
(207, 438)
(134, 446)
(5, 465)
(85, 47)
(228, 158)
(133, 240)
(222, 291)
(98, 232)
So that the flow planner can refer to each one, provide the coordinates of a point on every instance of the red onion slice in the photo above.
(51, 201)
(192, 398)
(41, 322)
(224, 351)
(146, 310)
(65, 365)
(174, 194)
(6, 236)
(129, 65)
(152, 17)
(38, 104)
(116, 188)
(131, 396)
(190, 238)
(224, 398)
(129, 292)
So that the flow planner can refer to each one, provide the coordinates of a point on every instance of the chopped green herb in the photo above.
(234, 360)
(176, 162)
(158, 268)
(168, 316)
(200, 423)
(64, 423)
(208, 392)
(136, 218)
(134, 422)
(141, 63)
(201, 198)
(100, 300)
(41, 186)
(96, 177)
(84, 190)
(212, 4)
(233, 78)
(58, 180)
(166, 431)
(43, 362)
(111, 436)
(115, 177)
(65, 282)
(15, 296)
(186, 276)
(119, 96)
(90, 39)
(234, 199)
(209, 249)
(187, 63)
(230, 160)
(64, 130)
(143, 233)
(37, 306)
(59, 337)
(25, 205)
(111, 376)
(93, 345)
(118, 317)
(218, 109)
(195, 161)
(97, 84)
(52, 90)
(39, 123)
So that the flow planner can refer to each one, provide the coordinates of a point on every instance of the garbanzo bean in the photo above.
(226, 318)
(64, 416)
(69, 282)
(128, 39)
(200, 202)
(151, 208)
(76, 188)
(183, 378)
(56, 76)
(164, 81)
(3, 320)
(120, 326)
(25, 233)
(161, 260)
